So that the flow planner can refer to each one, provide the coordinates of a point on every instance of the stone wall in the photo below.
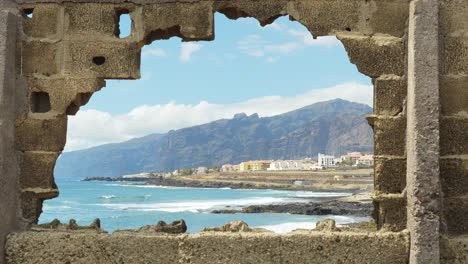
(209, 247)
(67, 49)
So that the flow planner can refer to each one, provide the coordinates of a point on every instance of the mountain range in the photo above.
(333, 127)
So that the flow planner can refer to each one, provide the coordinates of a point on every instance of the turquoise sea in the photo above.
(127, 205)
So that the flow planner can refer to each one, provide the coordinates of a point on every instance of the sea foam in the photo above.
(198, 206)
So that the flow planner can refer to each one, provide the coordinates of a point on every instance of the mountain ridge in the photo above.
(334, 127)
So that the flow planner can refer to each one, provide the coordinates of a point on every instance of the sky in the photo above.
(247, 68)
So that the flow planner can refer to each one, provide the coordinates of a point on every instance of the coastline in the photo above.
(358, 204)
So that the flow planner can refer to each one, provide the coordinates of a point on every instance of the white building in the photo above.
(326, 161)
(366, 160)
(312, 166)
(201, 170)
(286, 165)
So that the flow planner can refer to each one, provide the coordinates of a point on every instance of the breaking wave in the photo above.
(199, 206)
(130, 198)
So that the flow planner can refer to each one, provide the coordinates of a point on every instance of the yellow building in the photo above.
(257, 165)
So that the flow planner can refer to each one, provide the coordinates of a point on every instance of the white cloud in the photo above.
(274, 26)
(256, 46)
(285, 48)
(153, 52)
(90, 127)
(187, 49)
(308, 40)
(253, 45)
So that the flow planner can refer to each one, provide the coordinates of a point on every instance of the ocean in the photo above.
(128, 205)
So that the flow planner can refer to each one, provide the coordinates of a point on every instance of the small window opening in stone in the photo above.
(99, 60)
(40, 102)
(28, 12)
(124, 25)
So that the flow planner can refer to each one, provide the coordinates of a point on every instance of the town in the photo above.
(350, 161)
(323, 162)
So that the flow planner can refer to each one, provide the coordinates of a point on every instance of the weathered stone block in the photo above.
(67, 92)
(40, 57)
(41, 134)
(456, 55)
(390, 95)
(386, 17)
(454, 249)
(227, 248)
(390, 136)
(454, 177)
(190, 21)
(390, 175)
(45, 22)
(453, 95)
(344, 247)
(453, 17)
(264, 11)
(110, 60)
(37, 170)
(375, 56)
(31, 207)
(91, 19)
(390, 213)
(329, 17)
(456, 211)
(326, 17)
(89, 247)
(453, 135)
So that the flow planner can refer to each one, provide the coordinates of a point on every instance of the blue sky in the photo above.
(246, 68)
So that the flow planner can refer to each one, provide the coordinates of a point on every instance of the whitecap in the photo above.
(305, 194)
(108, 197)
(284, 228)
(199, 206)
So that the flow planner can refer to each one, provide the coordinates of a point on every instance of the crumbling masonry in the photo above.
(415, 51)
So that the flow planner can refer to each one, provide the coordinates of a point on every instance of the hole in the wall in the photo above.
(124, 24)
(40, 102)
(28, 13)
(99, 60)
(251, 66)
(348, 29)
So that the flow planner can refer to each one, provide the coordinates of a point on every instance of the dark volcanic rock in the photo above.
(176, 227)
(311, 208)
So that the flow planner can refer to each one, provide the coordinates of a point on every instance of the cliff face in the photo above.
(333, 127)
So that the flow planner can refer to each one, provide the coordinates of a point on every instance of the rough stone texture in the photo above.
(390, 95)
(454, 176)
(389, 136)
(454, 250)
(390, 175)
(208, 247)
(367, 53)
(69, 47)
(454, 135)
(422, 146)
(390, 211)
(8, 163)
(454, 118)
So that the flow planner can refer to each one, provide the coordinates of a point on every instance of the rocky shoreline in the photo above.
(332, 207)
(354, 205)
(184, 183)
